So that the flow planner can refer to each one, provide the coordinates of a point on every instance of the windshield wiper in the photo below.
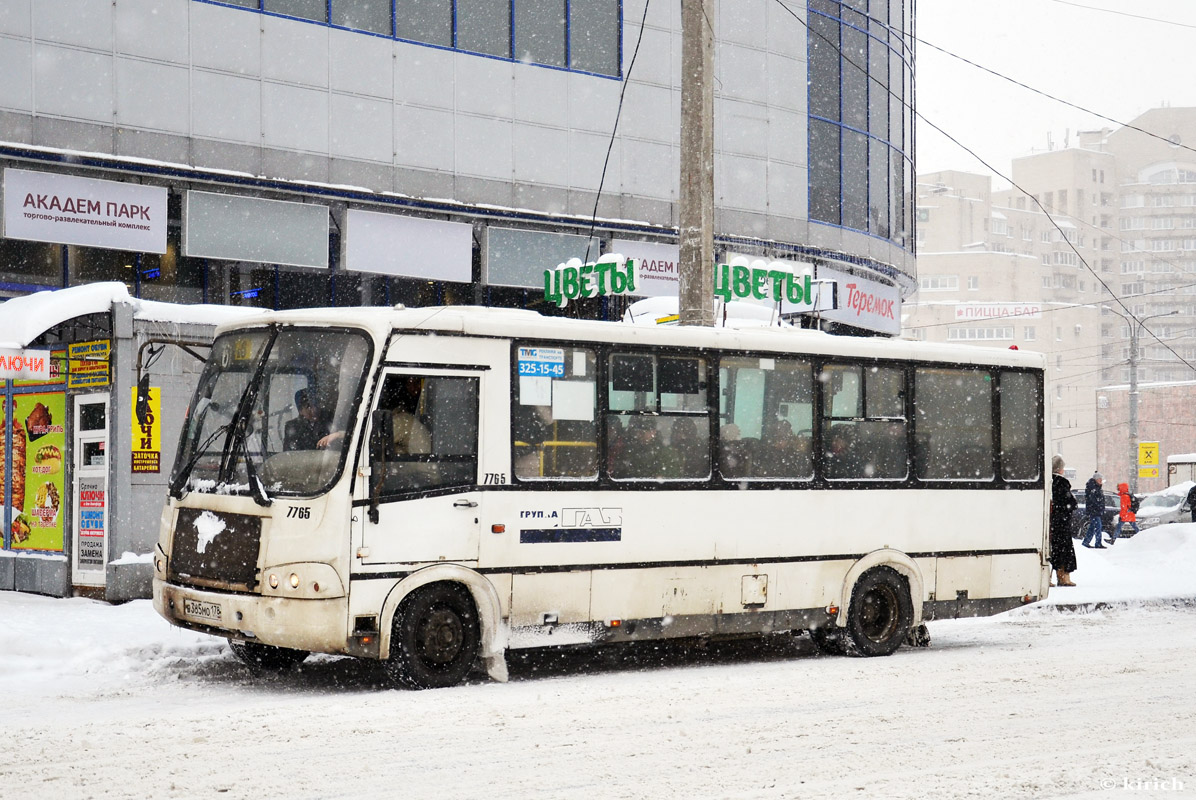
(239, 432)
(180, 480)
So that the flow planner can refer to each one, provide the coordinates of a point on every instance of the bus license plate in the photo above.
(197, 609)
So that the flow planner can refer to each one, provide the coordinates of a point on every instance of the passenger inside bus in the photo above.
(401, 395)
(307, 430)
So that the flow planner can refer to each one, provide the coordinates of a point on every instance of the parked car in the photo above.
(1079, 517)
(1165, 506)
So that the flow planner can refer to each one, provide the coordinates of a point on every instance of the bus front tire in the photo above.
(881, 613)
(266, 658)
(434, 641)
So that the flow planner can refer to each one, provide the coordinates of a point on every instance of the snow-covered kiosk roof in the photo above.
(24, 319)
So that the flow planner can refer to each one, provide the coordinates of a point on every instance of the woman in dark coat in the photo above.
(1063, 549)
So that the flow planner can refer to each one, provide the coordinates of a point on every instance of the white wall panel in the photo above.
(226, 107)
(787, 83)
(541, 95)
(741, 183)
(655, 62)
(294, 118)
(361, 64)
(650, 170)
(741, 73)
(362, 128)
(787, 137)
(651, 112)
(484, 147)
(73, 83)
(740, 128)
(16, 17)
(485, 86)
(294, 51)
(83, 23)
(424, 75)
(226, 39)
(16, 65)
(148, 93)
(542, 155)
(593, 102)
(152, 29)
(788, 190)
(424, 138)
(742, 21)
(587, 152)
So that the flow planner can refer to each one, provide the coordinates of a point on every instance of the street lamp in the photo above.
(1135, 325)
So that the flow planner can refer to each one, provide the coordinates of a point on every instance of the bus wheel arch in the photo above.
(481, 596)
(881, 603)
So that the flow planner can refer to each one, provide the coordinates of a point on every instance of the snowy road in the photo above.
(109, 702)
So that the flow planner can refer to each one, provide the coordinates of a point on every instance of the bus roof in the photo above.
(522, 324)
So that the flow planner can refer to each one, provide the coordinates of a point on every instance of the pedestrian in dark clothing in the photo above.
(1094, 507)
(1063, 502)
(1192, 502)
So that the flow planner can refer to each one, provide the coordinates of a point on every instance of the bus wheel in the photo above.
(828, 640)
(434, 642)
(266, 658)
(881, 613)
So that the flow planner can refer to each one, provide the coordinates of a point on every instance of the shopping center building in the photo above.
(292, 153)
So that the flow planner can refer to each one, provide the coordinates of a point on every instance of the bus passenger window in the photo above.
(659, 428)
(1021, 448)
(954, 430)
(554, 419)
(766, 419)
(864, 424)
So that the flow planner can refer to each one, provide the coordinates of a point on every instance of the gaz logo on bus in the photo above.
(573, 525)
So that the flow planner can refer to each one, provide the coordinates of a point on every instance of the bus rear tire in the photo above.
(434, 641)
(880, 615)
(266, 658)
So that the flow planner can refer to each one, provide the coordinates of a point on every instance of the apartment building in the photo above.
(1093, 246)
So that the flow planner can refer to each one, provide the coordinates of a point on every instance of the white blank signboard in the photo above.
(410, 247)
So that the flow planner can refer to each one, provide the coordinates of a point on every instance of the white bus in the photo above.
(433, 487)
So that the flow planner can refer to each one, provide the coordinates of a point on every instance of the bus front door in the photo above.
(424, 469)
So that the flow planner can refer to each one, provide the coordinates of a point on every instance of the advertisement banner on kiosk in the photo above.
(38, 477)
(146, 435)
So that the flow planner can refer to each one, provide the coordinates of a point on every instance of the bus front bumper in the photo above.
(301, 624)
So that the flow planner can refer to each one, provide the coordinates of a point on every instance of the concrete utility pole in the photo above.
(696, 298)
(1136, 325)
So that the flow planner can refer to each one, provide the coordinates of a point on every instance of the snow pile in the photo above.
(1157, 564)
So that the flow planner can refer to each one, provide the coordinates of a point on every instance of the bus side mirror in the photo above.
(381, 437)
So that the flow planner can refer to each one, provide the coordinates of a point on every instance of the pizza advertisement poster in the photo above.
(38, 476)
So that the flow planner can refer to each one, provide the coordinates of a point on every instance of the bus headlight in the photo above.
(302, 581)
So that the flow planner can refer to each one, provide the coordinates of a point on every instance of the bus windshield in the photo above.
(273, 406)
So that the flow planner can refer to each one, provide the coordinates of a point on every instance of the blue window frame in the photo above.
(575, 35)
(860, 140)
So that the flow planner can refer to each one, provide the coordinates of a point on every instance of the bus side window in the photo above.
(433, 432)
(766, 419)
(659, 426)
(554, 420)
(954, 427)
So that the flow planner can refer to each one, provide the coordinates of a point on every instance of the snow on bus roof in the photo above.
(23, 319)
(525, 324)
